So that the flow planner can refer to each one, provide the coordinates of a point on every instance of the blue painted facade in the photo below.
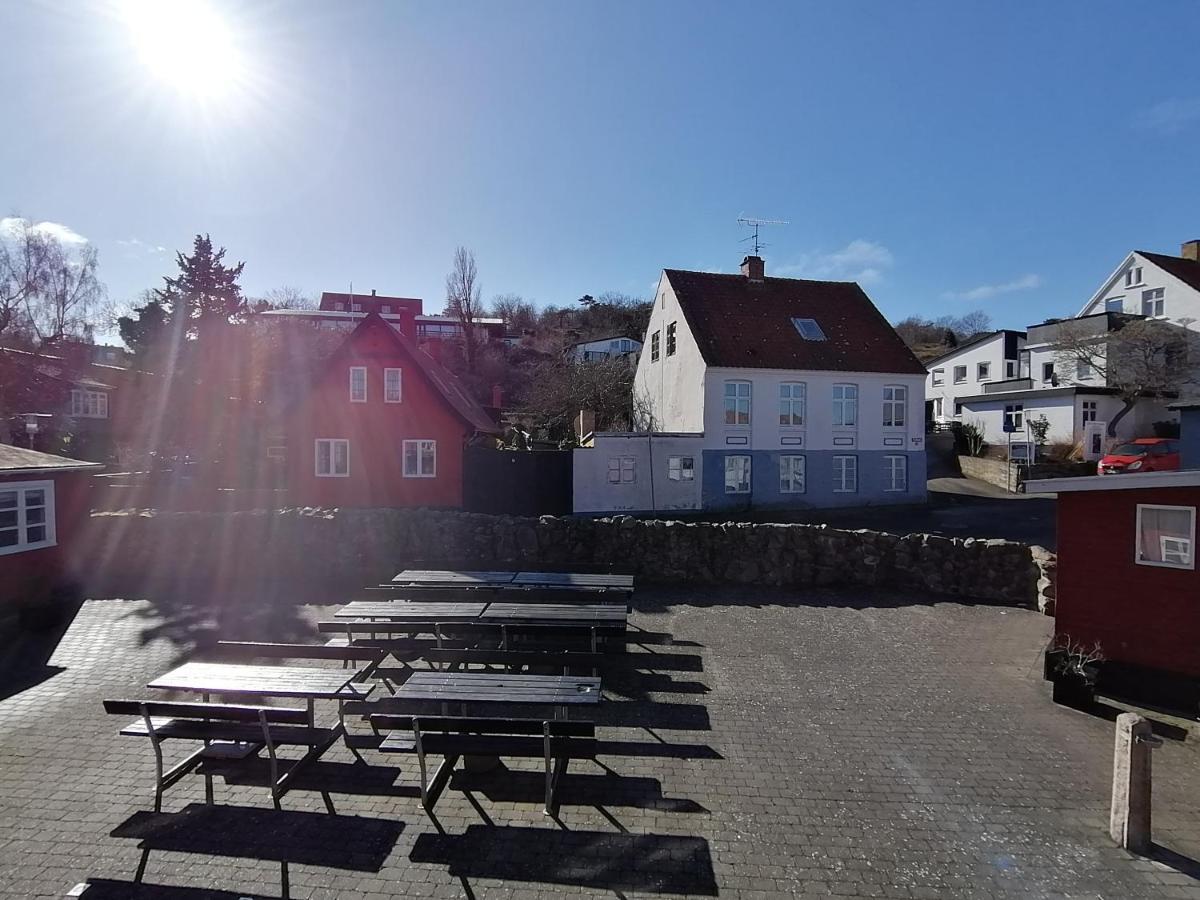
(819, 480)
(1189, 438)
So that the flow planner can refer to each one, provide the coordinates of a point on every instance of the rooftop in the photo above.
(22, 459)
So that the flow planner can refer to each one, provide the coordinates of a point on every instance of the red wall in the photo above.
(1145, 615)
(376, 431)
(31, 575)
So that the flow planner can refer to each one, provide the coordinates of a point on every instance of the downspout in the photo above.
(650, 449)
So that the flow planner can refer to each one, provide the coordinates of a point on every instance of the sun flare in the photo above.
(186, 45)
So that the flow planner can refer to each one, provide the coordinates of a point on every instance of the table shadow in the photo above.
(504, 785)
(114, 889)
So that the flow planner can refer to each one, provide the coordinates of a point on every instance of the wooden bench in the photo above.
(249, 727)
(451, 737)
(378, 634)
(513, 659)
(343, 651)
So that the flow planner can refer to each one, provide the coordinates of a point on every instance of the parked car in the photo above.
(1141, 455)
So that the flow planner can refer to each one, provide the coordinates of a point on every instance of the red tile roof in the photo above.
(1186, 270)
(739, 323)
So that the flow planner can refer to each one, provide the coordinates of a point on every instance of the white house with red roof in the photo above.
(761, 392)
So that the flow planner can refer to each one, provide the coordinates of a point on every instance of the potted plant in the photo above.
(1074, 669)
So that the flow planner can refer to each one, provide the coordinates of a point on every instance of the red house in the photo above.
(1128, 585)
(384, 425)
(43, 501)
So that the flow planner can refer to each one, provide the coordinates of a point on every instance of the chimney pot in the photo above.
(1190, 250)
(753, 268)
(372, 292)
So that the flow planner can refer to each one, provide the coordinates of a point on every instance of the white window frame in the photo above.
(399, 385)
(1191, 538)
(960, 379)
(1133, 276)
(748, 468)
(958, 409)
(983, 371)
(50, 539)
(1017, 411)
(681, 468)
(1156, 303)
(844, 465)
(1048, 372)
(654, 346)
(88, 404)
(332, 473)
(1087, 410)
(895, 405)
(622, 470)
(672, 338)
(793, 394)
(363, 370)
(938, 376)
(793, 471)
(1084, 371)
(893, 464)
(1011, 367)
(845, 398)
(738, 398)
(421, 444)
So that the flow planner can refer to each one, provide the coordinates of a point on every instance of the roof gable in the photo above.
(21, 459)
(742, 323)
(1186, 270)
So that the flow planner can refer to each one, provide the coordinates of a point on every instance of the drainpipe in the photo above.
(650, 448)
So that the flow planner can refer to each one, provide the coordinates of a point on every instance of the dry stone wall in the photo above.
(128, 552)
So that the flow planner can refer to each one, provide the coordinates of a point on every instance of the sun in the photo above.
(186, 45)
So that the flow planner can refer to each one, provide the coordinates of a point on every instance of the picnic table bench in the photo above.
(533, 587)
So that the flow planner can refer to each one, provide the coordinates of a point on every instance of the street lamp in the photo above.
(31, 424)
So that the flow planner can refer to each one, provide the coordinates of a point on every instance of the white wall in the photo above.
(989, 351)
(818, 433)
(671, 388)
(652, 489)
(609, 346)
(1180, 301)
(1065, 414)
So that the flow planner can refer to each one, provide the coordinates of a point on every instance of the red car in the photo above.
(1141, 455)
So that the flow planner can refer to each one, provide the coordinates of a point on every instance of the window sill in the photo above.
(27, 548)
(331, 475)
(406, 475)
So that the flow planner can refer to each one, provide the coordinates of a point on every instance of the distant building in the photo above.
(599, 349)
(763, 392)
(984, 359)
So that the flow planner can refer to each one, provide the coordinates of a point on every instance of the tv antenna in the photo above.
(756, 224)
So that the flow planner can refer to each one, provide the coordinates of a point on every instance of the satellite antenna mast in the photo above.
(756, 224)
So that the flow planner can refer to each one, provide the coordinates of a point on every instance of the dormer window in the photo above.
(339, 307)
(809, 329)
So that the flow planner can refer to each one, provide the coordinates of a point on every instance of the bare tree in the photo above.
(285, 297)
(70, 296)
(24, 253)
(1142, 358)
(462, 299)
(519, 315)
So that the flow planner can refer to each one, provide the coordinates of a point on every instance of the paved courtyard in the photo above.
(775, 745)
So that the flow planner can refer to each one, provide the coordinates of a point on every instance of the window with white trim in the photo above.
(1152, 302)
(737, 403)
(671, 339)
(845, 474)
(87, 404)
(895, 473)
(895, 401)
(358, 384)
(1014, 415)
(622, 470)
(983, 371)
(1084, 371)
(960, 374)
(791, 474)
(1047, 372)
(1010, 368)
(1166, 536)
(1133, 275)
(737, 474)
(939, 376)
(654, 347)
(1088, 411)
(957, 408)
(392, 385)
(385, 308)
(792, 400)
(333, 458)
(681, 468)
(26, 516)
(1114, 304)
(845, 405)
(420, 459)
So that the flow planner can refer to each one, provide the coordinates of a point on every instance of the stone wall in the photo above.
(993, 471)
(128, 553)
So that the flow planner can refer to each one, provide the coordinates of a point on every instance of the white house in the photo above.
(984, 359)
(787, 393)
(598, 349)
(1155, 285)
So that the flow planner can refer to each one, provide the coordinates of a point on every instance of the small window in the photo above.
(1084, 371)
(356, 307)
(420, 459)
(89, 404)
(1014, 417)
(983, 371)
(895, 402)
(957, 408)
(392, 385)
(792, 400)
(681, 468)
(845, 474)
(737, 474)
(385, 308)
(845, 405)
(895, 473)
(737, 402)
(1133, 276)
(1088, 411)
(277, 451)
(960, 374)
(26, 516)
(671, 339)
(791, 474)
(358, 384)
(333, 458)
(1152, 302)
(809, 329)
(1166, 536)
(937, 407)
(1010, 368)
(654, 347)
(1114, 304)
(939, 376)
(339, 307)
(622, 470)
(1048, 372)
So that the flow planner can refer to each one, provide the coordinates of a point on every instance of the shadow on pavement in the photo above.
(112, 889)
(504, 785)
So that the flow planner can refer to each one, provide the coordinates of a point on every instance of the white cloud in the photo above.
(987, 291)
(860, 260)
(1170, 116)
(11, 226)
(138, 246)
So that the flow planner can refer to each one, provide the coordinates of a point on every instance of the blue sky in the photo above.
(950, 156)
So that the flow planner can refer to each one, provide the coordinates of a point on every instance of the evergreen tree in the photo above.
(205, 295)
(144, 330)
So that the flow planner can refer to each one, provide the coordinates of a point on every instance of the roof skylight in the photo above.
(809, 329)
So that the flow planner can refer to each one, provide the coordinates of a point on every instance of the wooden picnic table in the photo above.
(500, 689)
(395, 611)
(264, 681)
(436, 577)
(574, 580)
(557, 613)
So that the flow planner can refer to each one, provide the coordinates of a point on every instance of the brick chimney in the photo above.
(1190, 250)
(753, 268)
